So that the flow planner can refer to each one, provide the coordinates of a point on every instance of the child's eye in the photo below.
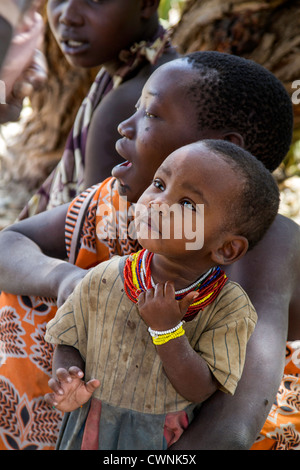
(158, 184)
(188, 204)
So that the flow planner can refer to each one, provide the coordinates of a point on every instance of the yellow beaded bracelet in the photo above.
(162, 339)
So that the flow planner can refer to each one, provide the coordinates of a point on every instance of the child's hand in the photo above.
(159, 308)
(70, 391)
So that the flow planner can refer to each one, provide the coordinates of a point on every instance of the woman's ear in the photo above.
(148, 8)
(231, 251)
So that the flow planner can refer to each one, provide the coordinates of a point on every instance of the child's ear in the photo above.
(148, 8)
(235, 138)
(232, 250)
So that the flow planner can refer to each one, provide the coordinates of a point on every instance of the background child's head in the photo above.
(206, 95)
(92, 33)
(239, 196)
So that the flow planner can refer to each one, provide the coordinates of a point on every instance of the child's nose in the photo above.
(71, 13)
(160, 206)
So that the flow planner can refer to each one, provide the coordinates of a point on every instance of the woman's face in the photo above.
(93, 32)
(165, 120)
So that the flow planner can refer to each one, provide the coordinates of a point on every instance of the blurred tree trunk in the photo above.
(265, 31)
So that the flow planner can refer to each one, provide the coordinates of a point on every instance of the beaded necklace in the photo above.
(137, 278)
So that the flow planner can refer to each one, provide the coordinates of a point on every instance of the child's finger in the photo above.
(50, 399)
(159, 289)
(169, 289)
(63, 375)
(92, 385)
(141, 299)
(55, 385)
(75, 372)
(187, 301)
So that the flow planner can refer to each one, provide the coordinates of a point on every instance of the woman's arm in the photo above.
(268, 275)
(32, 254)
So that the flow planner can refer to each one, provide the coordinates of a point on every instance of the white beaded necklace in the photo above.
(181, 291)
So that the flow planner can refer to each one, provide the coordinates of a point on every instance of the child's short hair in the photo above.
(237, 94)
(256, 206)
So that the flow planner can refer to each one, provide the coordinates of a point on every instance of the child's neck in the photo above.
(180, 272)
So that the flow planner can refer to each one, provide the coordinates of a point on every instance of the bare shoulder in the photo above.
(276, 255)
(270, 274)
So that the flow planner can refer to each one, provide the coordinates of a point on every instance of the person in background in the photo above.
(24, 68)
(125, 39)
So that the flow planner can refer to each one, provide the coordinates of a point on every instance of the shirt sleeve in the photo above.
(70, 324)
(74, 322)
(223, 342)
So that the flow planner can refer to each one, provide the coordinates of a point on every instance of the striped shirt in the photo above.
(101, 322)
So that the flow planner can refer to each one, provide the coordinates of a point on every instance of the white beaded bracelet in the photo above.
(155, 334)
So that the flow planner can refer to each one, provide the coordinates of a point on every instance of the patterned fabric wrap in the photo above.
(26, 421)
(281, 430)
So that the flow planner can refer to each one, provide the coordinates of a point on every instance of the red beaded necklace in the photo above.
(137, 278)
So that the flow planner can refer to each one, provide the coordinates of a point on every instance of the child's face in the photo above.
(164, 121)
(187, 204)
(93, 32)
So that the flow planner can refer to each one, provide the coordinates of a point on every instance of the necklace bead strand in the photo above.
(137, 278)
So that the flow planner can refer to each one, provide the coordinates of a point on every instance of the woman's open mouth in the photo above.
(119, 172)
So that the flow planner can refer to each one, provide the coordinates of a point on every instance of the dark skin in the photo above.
(172, 267)
(104, 28)
(270, 273)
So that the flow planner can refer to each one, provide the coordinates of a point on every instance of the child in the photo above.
(138, 407)
(125, 38)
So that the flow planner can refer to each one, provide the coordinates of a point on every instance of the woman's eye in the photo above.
(149, 115)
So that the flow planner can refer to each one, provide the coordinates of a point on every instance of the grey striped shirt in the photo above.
(101, 322)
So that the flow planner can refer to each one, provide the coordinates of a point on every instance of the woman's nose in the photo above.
(126, 129)
(71, 13)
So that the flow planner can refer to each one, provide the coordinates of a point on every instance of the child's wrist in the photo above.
(162, 337)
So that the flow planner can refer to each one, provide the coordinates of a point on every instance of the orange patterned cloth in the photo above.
(26, 421)
(281, 430)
